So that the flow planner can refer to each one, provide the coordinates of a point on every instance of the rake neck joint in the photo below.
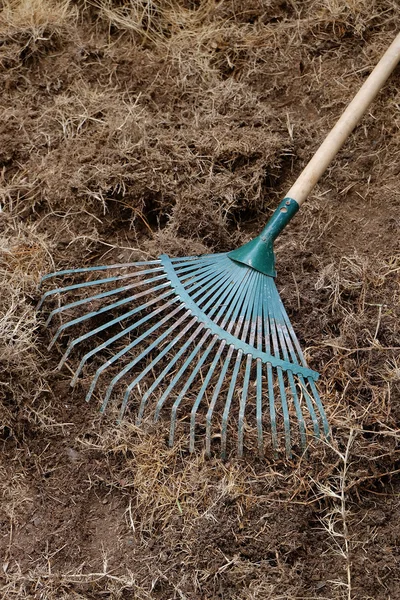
(259, 253)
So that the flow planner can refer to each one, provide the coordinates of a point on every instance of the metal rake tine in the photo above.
(292, 385)
(320, 407)
(184, 367)
(100, 296)
(87, 284)
(233, 307)
(186, 387)
(225, 367)
(121, 334)
(136, 360)
(97, 268)
(246, 326)
(286, 419)
(159, 356)
(177, 376)
(310, 406)
(190, 379)
(225, 295)
(110, 323)
(253, 327)
(105, 309)
(299, 414)
(203, 389)
(259, 407)
(270, 381)
(166, 370)
(130, 346)
(215, 397)
(228, 402)
(211, 303)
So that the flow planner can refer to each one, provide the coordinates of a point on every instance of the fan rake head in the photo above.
(205, 337)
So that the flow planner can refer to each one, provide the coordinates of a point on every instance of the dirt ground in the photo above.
(131, 129)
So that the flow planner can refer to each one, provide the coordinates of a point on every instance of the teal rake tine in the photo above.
(259, 366)
(186, 364)
(320, 408)
(228, 402)
(302, 385)
(299, 414)
(118, 336)
(132, 345)
(144, 353)
(188, 384)
(314, 418)
(249, 360)
(285, 353)
(285, 411)
(166, 369)
(232, 305)
(107, 308)
(86, 284)
(224, 369)
(270, 380)
(115, 291)
(171, 364)
(103, 310)
(108, 324)
(96, 269)
(251, 304)
(203, 389)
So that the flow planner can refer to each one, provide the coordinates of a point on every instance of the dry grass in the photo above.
(139, 127)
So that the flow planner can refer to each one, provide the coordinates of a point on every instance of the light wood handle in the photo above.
(349, 119)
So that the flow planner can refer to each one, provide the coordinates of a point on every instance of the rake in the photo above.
(206, 336)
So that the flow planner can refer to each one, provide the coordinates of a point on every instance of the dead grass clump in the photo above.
(22, 257)
(31, 28)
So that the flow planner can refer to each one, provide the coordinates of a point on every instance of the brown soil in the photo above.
(131, 129)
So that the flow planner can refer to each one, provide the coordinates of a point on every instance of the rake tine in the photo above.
(158, 358)
(271, 395)
(228, 403)
(259, 399)
(203, 389)
(253, 326)
(98, 268)
(226, 363)
(247, 320)
(225, 295)
(299, 414)
(216, 394)
(286, 419)
(144, 353)
(310, 407)
(320, 408)
(166, 369)
(130, 346)
(211, 302)
(285, 353)
(122, 317)
(100, 296)
(87, 284)
(105, 309)
(188, 383)
(233, 307)
(303, 388)
(259, 408)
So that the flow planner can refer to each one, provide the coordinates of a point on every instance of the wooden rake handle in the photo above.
(345, 125)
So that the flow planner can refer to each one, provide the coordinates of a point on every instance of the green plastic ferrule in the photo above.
(259, 253)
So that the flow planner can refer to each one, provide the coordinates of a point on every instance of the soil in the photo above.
(172, 126)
